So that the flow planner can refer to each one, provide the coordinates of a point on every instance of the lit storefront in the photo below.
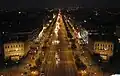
(14, 50)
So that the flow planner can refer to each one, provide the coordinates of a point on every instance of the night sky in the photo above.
(57, 3)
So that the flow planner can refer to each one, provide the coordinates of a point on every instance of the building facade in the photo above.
(104, 48)
(14, 50)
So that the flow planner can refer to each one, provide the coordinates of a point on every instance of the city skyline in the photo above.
(55, 42)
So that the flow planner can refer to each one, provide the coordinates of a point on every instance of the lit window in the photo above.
(101, 45)
(96, 48)
(111, 48)
(95, 45)
(111, 45)
(105, 45)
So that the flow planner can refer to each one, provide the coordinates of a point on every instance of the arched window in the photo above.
(21, 45)
(5, 46)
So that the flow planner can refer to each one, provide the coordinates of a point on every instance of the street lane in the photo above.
(67, 66)
(48, 65)
(84, 54)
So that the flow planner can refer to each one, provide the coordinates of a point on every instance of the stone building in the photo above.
(14, 50)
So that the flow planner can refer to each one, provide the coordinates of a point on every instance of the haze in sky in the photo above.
(57, 3)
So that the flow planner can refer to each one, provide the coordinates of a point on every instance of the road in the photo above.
(67, 63)
(66, 66)
(84, 52)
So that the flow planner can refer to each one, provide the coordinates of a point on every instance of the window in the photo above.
(21, 45)
(111, 46)
(96, 45)
(105, 45)
(5, 46)
(96, 48)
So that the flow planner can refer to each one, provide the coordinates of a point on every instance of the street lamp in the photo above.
(50, 21)
(85, 21)
(34, 73)
(19, 12)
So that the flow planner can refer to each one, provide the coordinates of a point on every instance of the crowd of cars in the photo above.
(57, 58)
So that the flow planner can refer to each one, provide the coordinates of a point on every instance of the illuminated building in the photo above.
(14, 50)
(104, 48)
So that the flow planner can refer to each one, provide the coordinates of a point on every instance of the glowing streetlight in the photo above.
(19, 12)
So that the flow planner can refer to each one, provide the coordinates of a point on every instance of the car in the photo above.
(58, 50)
(28, 64)
(34, 73)
(33, 58)
(42, 74)
(56, 55)
(25, 73)
(22, 74)
(57, 62)
(58, 59)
